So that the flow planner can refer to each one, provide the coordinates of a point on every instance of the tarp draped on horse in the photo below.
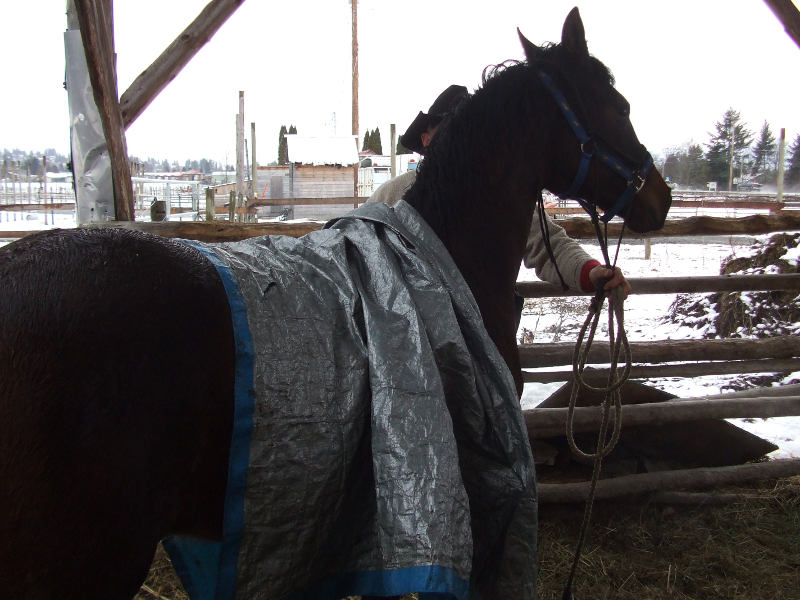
(385, 444)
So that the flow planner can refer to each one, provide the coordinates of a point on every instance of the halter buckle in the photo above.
(588, 146)
(637, 182)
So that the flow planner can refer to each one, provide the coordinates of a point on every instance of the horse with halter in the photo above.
(116, 405)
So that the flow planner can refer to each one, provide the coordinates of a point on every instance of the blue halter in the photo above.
(635, 178)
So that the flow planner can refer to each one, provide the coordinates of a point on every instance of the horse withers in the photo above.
(118, 355)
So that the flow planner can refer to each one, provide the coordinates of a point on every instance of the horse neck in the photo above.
(483, 221)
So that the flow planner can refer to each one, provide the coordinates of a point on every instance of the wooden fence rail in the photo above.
(686, 369)
(677, 285)
(703, 478)
(543, 423)
(554, 354)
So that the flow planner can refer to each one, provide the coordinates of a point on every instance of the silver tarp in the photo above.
(388, 452)
(91, 165)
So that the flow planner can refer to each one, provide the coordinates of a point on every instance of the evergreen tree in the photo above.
(764, 152)
(686, 166)
(283, 147)
(372, 141)
(376, 146)
(696, 167)
(401, 149)
(792, 174)
(731, 142)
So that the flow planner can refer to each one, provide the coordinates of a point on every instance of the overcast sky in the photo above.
(680, 63)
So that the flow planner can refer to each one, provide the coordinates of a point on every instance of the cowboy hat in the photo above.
(444, 104)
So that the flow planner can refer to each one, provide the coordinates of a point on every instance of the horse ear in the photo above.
(531, 49)
(573, 36)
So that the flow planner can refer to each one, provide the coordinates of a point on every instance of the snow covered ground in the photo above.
(644, 321)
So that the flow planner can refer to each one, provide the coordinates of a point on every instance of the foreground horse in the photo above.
(117, 352)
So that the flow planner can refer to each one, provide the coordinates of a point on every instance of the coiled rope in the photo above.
(618, 345)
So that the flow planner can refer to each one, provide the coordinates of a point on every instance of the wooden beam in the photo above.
(770, 205)
(694, 479)
(533, 356)
(693, 369)
(306, 201)
(545, 423)
(676, 285)
(96, 29)
(700, 225)
(788, 15)
(38, 206)
(216, 231)
(155, 78)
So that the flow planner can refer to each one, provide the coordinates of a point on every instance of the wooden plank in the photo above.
(789, 15)
(38, 206)
(694, 226)
(676, 285)
(694, 479)
(695, 369)
(305, 201)
(770, 205)
(164, 69)
(15, 235)
(574, 227)
(96, 29)
(534, 356)
(545, 423)
(217, 231)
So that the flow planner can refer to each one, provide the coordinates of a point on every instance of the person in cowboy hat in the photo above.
(578, 269)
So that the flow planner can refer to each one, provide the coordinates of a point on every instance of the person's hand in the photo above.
(609, 279)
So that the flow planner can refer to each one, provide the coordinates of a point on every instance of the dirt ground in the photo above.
(748, 549)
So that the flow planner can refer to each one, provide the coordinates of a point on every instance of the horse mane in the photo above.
(487, 124)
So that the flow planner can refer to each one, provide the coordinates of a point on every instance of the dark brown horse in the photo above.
(117, 352)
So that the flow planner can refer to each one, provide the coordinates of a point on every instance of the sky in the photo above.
(680, 63)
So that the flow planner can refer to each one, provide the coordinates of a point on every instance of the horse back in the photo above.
(116, 383)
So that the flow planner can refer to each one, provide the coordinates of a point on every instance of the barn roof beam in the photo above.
(164, 69)
(788, 15)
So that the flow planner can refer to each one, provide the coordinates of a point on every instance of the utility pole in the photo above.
(240, 190)
(731, 132)
(254, 176)
(354, 4)
(781, 160)
(393, 152)
(355, 68)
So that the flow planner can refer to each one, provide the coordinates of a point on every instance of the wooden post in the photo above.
(44, 176)
(355, 69)
(781, 161)
(210, 208)
(354, 4)
(393, 154)
(647, 248)
(97, 32)
(240, 149)
(254, 169)
(232, 206)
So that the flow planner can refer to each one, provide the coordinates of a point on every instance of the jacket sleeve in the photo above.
(390, 192)
(569, 255)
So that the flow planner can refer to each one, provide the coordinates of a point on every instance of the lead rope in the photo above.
(617, 343)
